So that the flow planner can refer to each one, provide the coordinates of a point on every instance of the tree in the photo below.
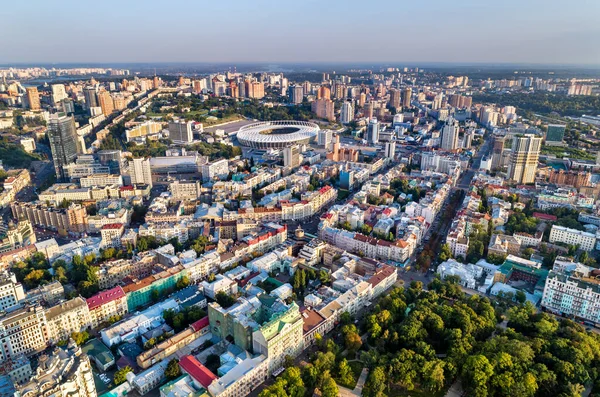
(345, 374)
(475, 374)
(80, 337)
(182, 283)
(445, 253)
(520, 296)
(224, 299)
(294, 385)
(345, 318)
(433, 375)
(376, 383)
(324, 276)
(353, 341)
(328, 386)
(121, 375)
(173, 371)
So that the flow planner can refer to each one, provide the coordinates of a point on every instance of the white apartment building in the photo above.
(201, 267)
(140, 172)
(573, 290)
(11, 291)
(218, 169)
(221, 284)
(111, 235)
(585, 241)
(241, 379)
(23, 331)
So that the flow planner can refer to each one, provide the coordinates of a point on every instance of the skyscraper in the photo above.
(373, 131)
(450, 135)
(555, 133)
(406, 95)
(497, 152)
(324, 108)
(296, 94)
(346, 113)
(106, 102)
(33, 98)
(524, 156)
(91, 100)
(390, 149)
(291, 156)
(324, 138)
(324, 93)
(62, 134)
(395, 98)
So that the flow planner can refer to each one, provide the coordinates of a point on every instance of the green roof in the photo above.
(99, 351)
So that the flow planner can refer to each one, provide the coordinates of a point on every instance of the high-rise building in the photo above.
(181, 131)
(555, 133)
(140, 172)
(291, 156)
(63, 142)
(525, 152)
(497, 150)
(324, 92)
(468, 139)
(324, 108)
(256, 90)
(346, 113)
(406, 95)
(296, 94)
(395, 98)
(450, 135)
(58, 93)
(362, 99)
(324, 138)
(340, 91)
(369, 109)
(373, 131)
(307, 87)
(91, 99)
(390, 149)
(33, 98)
(106, 102)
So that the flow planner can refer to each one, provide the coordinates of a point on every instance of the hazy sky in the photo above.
(463, 31)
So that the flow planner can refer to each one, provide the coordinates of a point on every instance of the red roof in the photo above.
(126, 188)
(112, 226)
(196, 370)
(545, 217)
(104, 297)
(202, 323)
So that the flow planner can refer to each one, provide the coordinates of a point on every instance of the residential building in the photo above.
(280, 337)
(67, 317)
(346, 113)
(217, 169)
(373, 131)
(11, 291)
(449, 140)
(524, 157)
(324, 108)
(23, 331)
(111, 235)
(33, 98)
(62, 373)
(291, 156)
(583, 240)
(140, 172)
(107, 304)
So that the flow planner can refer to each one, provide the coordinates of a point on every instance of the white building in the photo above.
(221, 284)
(11, 291)
(585, 241)
(140, 172)
(180, 131)
(218, 169)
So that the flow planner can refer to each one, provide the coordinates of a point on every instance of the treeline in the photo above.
(426, 340)
(544, 102)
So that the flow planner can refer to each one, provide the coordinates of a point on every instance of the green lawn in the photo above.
(574, 153)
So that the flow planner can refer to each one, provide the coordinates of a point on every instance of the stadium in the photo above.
(277, 134)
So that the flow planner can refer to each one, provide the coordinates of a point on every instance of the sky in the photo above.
(288, 31)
